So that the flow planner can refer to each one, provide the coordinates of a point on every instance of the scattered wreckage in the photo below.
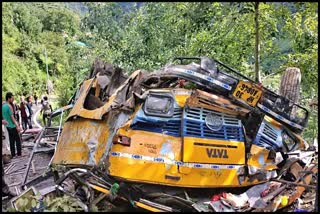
(157, 140)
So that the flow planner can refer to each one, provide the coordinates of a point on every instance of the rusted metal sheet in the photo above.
(82, 142)
(84, 139)
(84, 89)
(215, 102)
(117, 99)
(305, 180)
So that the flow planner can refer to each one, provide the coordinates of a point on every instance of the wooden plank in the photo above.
(296, 194)
(14, 184)
(17, 173)
(301, 189)
(8, 168)
(51, 135)
(16, 169)
(17, 190)
(156, 205)
(47, 190)
(33, 167)
(40, 168)
(50, 142)
(98, 199)
(15, 161)
(294, 183)
(39, 150)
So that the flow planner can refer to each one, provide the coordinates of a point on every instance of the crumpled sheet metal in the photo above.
(87, 138)
(302, 142)
(215, 102)
(115, 120)
(117, 99)
(300, 189)
(292, 196)
(82, 142)
(259, 158)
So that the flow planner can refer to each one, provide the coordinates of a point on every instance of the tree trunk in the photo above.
(290, 85)
(257, 45)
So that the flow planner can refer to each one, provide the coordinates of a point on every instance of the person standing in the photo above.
(41, 100)
(35, 98)
(12, 126)
(16, 111)
(45, 110)
(29, 105)
(24, 113)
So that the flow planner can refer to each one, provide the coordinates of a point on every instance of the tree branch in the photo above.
(269, 75)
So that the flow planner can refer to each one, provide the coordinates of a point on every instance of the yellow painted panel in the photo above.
(157, 173)
(181, 100)
(148, 143)
(272, 121)
(85, 87)
(78, 108)
(82, 141)
(212, 151)
(181, 95)
(258, 158)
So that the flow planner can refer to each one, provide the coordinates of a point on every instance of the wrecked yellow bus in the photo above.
(193, 125)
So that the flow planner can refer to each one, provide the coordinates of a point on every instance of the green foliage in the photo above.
(28, 201)
(149, 36)
(64, 90)
(60, 20)
(29, 29)
(15, 81)
(49, 204)
(62, 204)
(25, 21)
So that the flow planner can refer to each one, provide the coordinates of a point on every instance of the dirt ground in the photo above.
(15, 168)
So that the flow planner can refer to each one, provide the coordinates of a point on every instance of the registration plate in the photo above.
(247, 92)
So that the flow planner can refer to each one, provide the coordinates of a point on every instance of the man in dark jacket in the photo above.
(35, 99)
(29, 105)
(24, 113)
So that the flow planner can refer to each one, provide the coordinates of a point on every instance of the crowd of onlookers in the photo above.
(23, 111)
(17, 118)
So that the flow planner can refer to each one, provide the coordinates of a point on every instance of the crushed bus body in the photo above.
(197, 125)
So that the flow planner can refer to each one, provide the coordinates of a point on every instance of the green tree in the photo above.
(152, 34)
